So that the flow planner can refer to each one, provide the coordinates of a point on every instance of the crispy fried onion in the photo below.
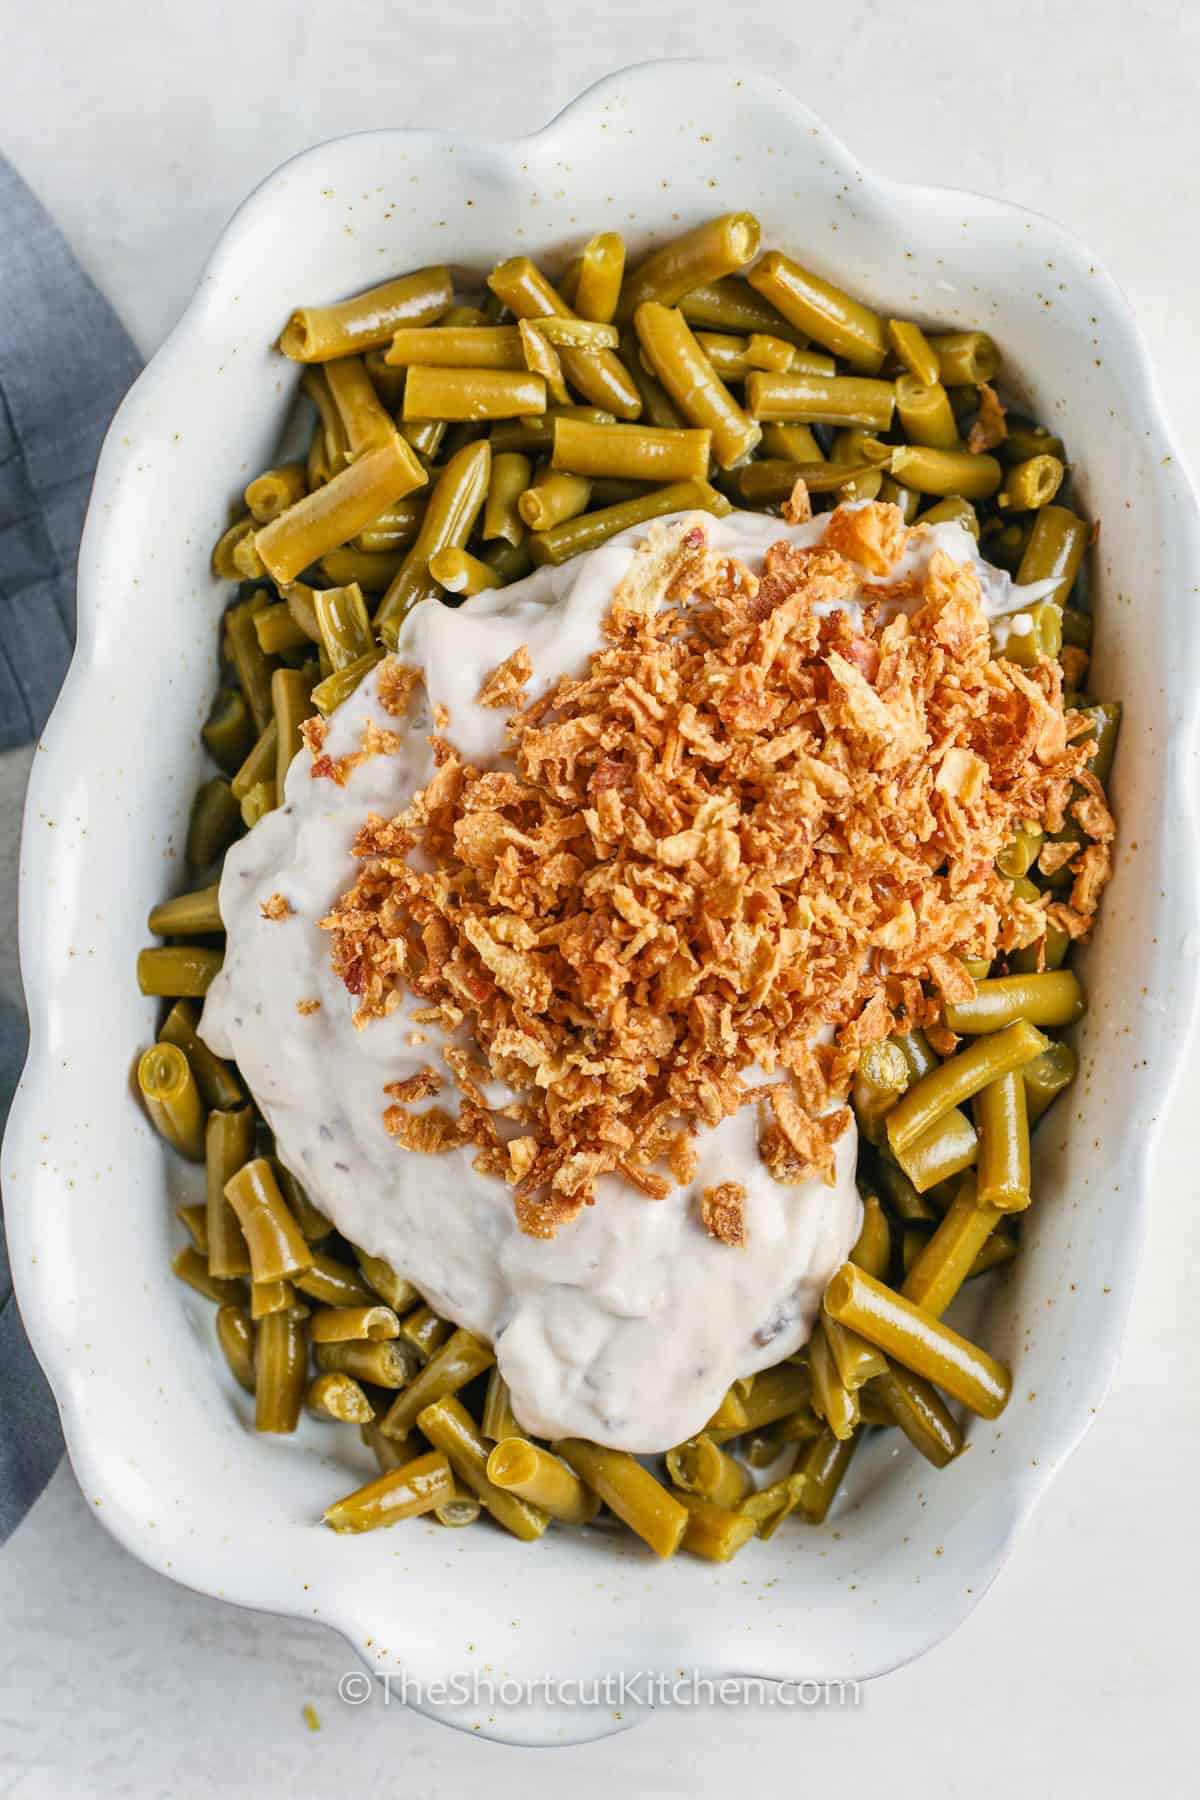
(751, 833)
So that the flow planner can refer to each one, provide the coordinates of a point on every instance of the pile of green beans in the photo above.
(456, 446)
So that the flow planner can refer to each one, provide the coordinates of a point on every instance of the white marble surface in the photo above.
(141, 125)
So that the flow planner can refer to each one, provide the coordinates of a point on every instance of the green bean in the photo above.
(393, 1289)
(365, 421)
(193, 1219)
(1049, 952)
(313, 1224)
(658, 408)
(329, 694)
(172, 1099)
(510, 476)
(1104, 720)
(290, 697)
(1024, 439)
(450, 516)
(771, 1505)
(830, 317)
(388, 1454)
(187, 915)
(332, 1282)
(732, 305)
(925, 414)
(821, 400)
(708, 253)
(822, 1472)
(453, 347)
(330, 433)
(1054, 999)
(189, 1266)
(733, 358)
(952, 511)
(235, 1335)
(268, 1297)
(873, 1247)
(228, 1147)
(387, 381)
(280, 1371)
(832, 1400)
(425, 1330)
(228, 732)
(910, 1207)
(1046, 1077)
(277, 630)
(791, 443)
(855, 1362)
(393, 530)
(273, 1238)
(921, 1413)
(965, 358)
(1031, 484)
(339, 1397)
(914, 350)
(577, 535)
(461, 1358)
(999, 1247)
(902, 497)
(908, 1335)
(963, 1075)
(373, 570)
(678, 362)
(949, 1255)
(730, 1417)
(601, 271)
(766, 480)
(316, 334)
(1054, 552)
(775, 1393)
(337, 512)
(460, 573)
(701, 1467)
(555, 497)
(636, 452)
(712, 1531)
(250, 665)
(532, 1474)
(472, 394)
(535, 437)
(943, 1149)
(598, 375)
(1043, 638)
(417, 1487)
(259, 764)
(383, 1362)
(1002, 1122)
(1019, 856)
(462, 1509)
(178, 971)
(511, 562)
(345, 629)
(1006, 547)
(354, 1324)
(950, 472)
(262, 799)
(630, 1491)
(880, 1078)
(496, 1420)
(222, 563)
(451, 1429)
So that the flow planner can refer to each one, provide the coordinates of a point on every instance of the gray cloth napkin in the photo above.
(65, 362)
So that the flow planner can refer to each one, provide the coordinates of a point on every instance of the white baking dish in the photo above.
(156, 1434)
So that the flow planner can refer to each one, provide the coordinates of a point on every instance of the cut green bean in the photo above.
(734, 358)
(909, 343)
(922, 1415)
(337, 512)
(943, 1149)
(732, 305)
(832, 1400)
(965, 358)
(677, 361)
(599, 375)
(392, 531)
(879, 1080)
(178, 971)
(510, 476)
(384, 1363)
(1002, 1122)
(1055, 551)
(291, 699)
(791, 443)
(425, 1330)
(636, 452)
(822, 1471)
(451, 1429)
(172, 1099)
(950, 472)
(925, 414)
(921, 1343)
(601, 271)
(712, 1531)
(329, 694)
(334, 1283)
(458, 347)
(339, 1397)
(472, 394)
(228, 732)
(461, 1358)
(830, 317)
(454, 505)
(701, 1467)
(1031, 484)
(873, 1247)
(821, 400)
(532, 1474)
(1024, 439)
(273, 1238)
(952, 511)
(280, 1371)
(949, 1255)
(554, 496)
(460, 573)
(250, 665)
(261, 763)
(316, 334)
(963, 1075)
(630, 1491)
(354, 1324)
(766, 481)
(235, 1335)
(417, 1487)
(575, 536)
(1053, 1000)
(191, 1267)
(187, 915)
(393, 1289)
(262, 798)
(708, 253)
(228, 1147)
(1046, 1077)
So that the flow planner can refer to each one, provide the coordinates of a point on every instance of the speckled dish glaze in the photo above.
(158, 1436)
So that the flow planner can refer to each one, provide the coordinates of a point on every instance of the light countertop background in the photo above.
(142, 124)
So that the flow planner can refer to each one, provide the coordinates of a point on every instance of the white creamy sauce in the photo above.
(629, 1325)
